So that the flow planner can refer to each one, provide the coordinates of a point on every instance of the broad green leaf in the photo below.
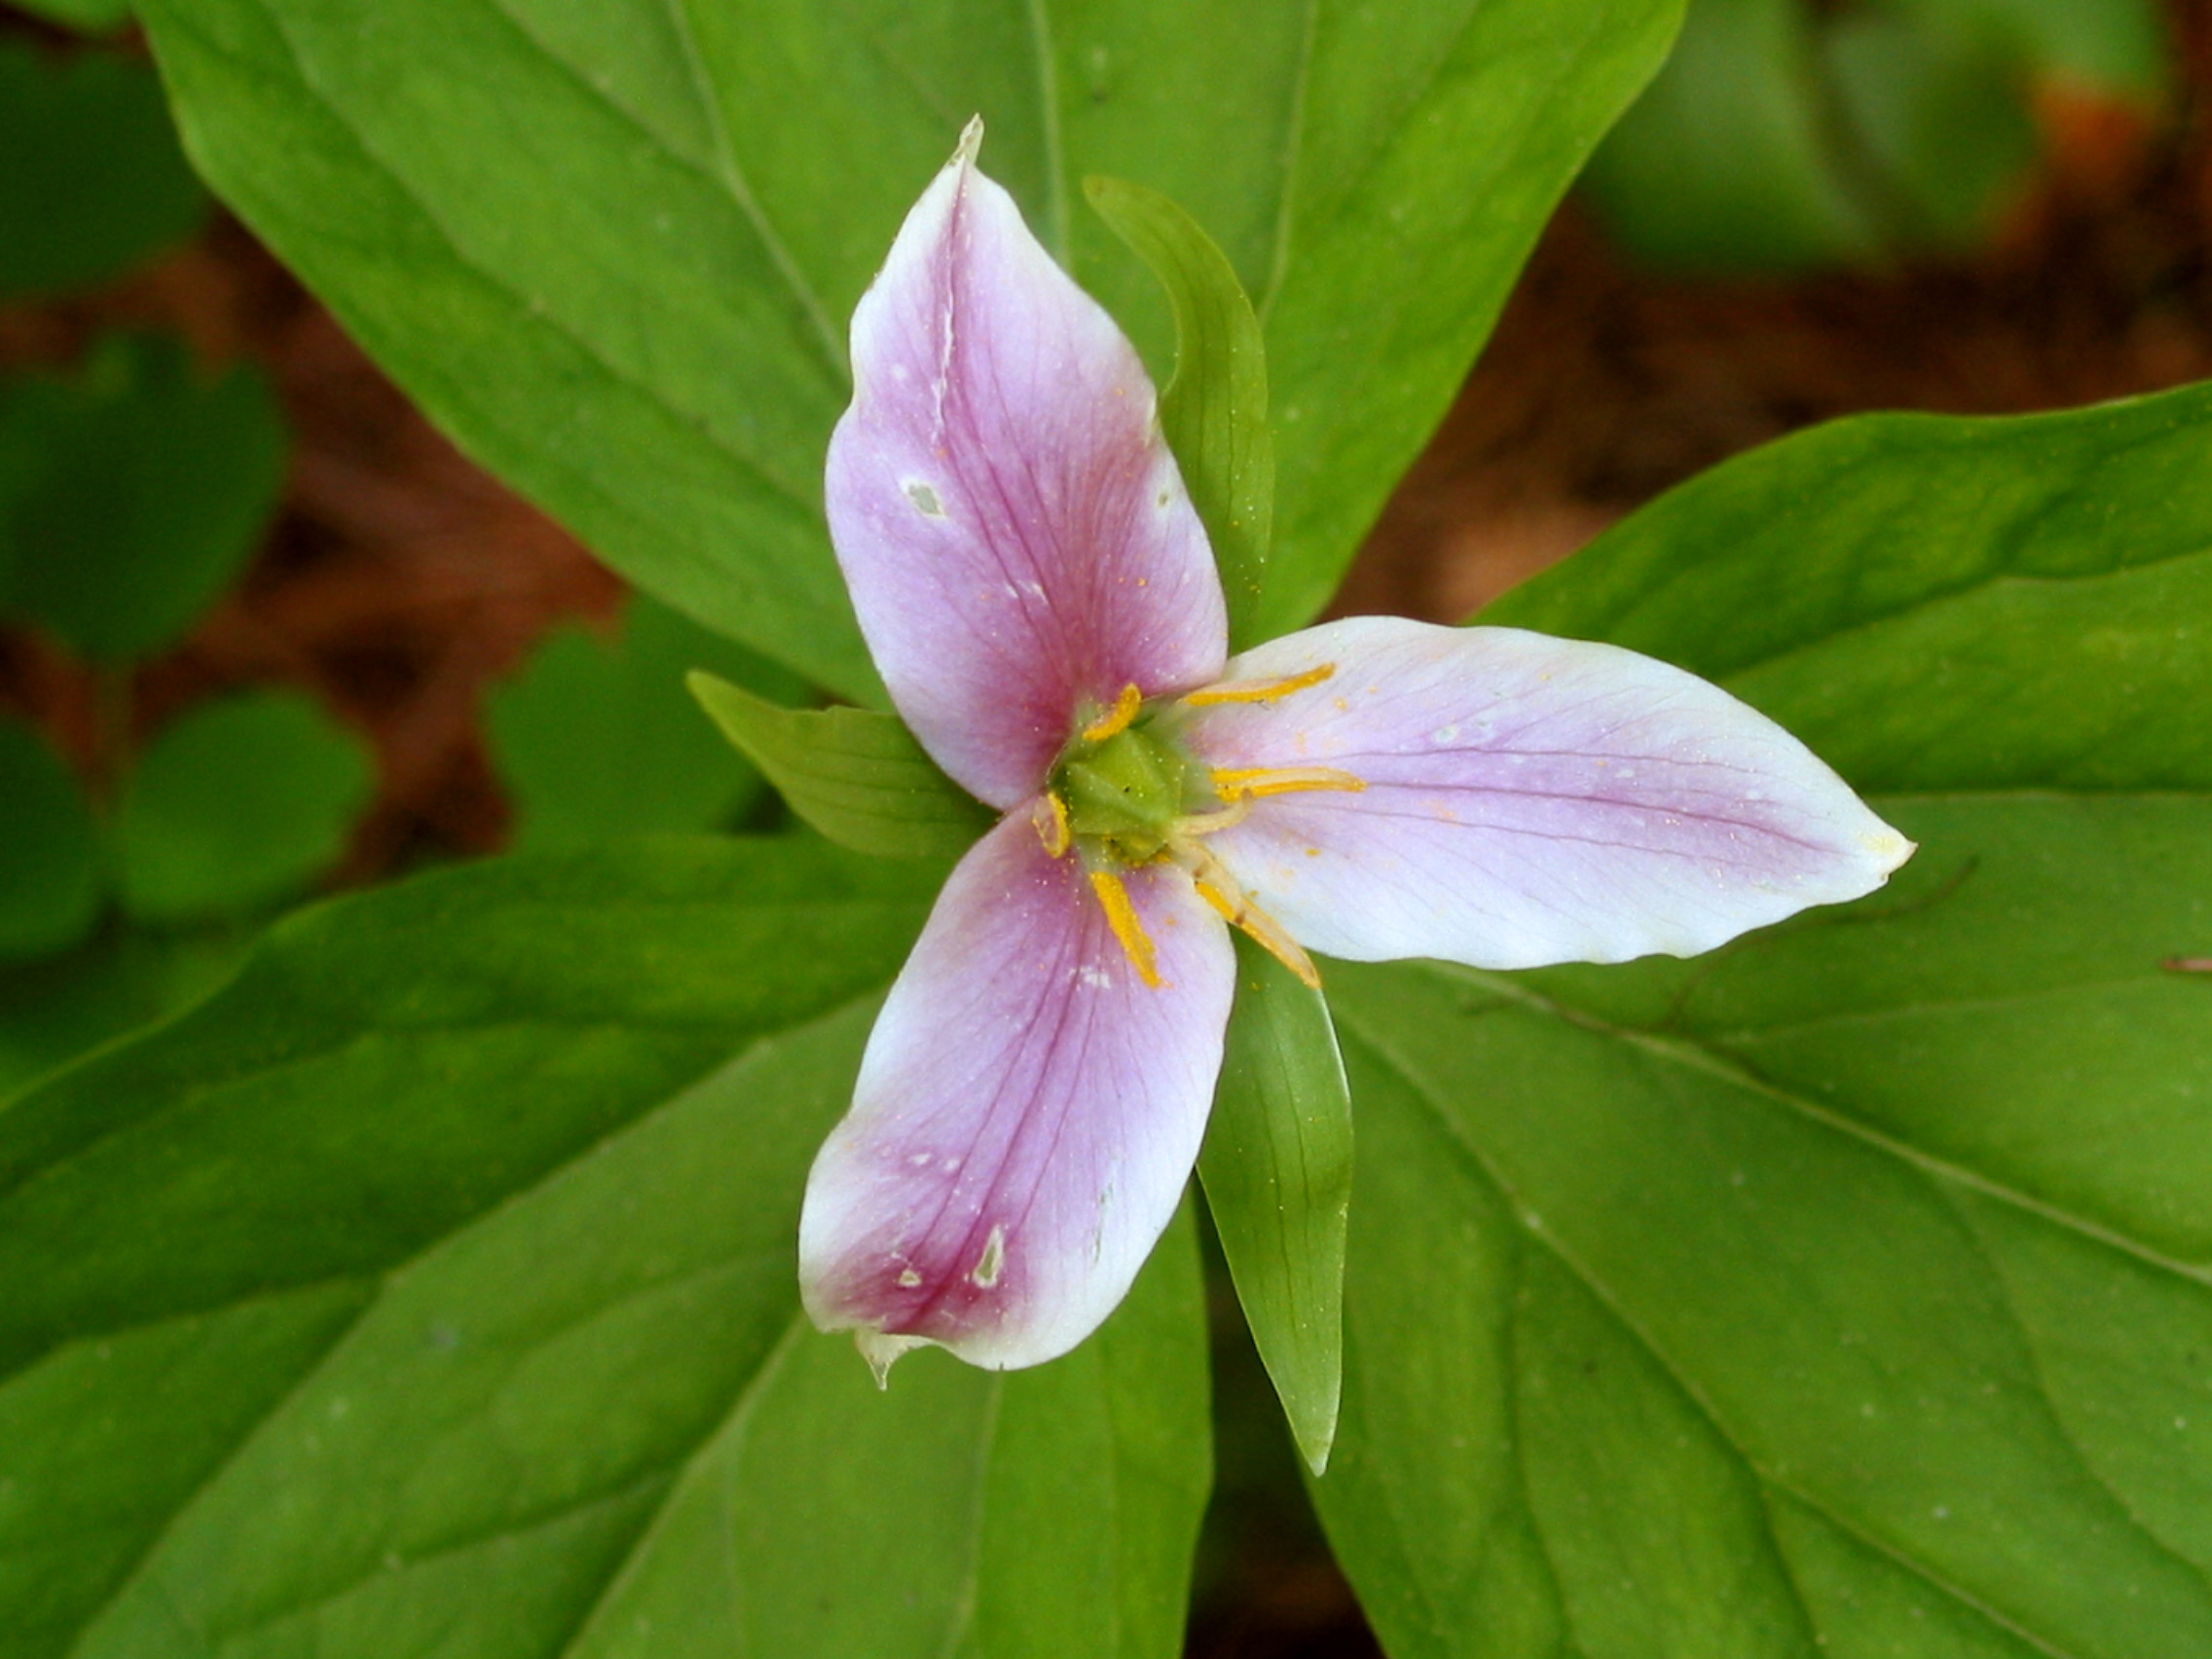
(237, 805)
(613, 248)
(50, 878)
(1277, 1173)
(475, 1327)
(859, 778)
(136, 491)
(57, 1008)
(1842, 1292)
(1727, 163)
(92, 181)
(1214, 412)
(596, 736)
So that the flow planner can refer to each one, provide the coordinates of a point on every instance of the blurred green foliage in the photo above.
(132, 493)
(596, 737)
(91, 180)
(1784, 135)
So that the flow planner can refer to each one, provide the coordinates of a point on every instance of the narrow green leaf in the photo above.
(1277, 1171)
(237, 805)
(596, 738)
(857, 777)
(137, 491)
(432, 1288)
(1214, 412)
(91, 180)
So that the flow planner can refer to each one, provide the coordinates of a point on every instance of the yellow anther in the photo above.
(1259, 690)
(1117, 718)
(1050, 816)
(1224, 906)
(1122, 917)
(1283, 779)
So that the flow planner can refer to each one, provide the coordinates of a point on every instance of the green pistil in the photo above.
(1125, 792)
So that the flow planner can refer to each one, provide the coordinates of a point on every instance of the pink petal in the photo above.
(1529, 800)
(1014, 533)
(1026, 1115)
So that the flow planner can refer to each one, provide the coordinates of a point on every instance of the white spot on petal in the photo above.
(924, 499)
(992, 1260)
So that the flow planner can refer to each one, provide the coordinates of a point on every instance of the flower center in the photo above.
(1125, 793)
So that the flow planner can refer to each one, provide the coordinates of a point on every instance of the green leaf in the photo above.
(54, 1009)
(237, 805)
(596, 737)
(92, 181)
(49, 879)
(612, 248)
(1277, 1173)
(475, 1325)
(1214, 412)
(857, 777)
(1842, 1292)
(137, 493)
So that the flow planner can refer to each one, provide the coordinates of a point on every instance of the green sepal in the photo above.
(1214, 412)
(857, 777)
(1277, 1167)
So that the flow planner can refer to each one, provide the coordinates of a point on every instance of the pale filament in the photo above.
(1219, 889)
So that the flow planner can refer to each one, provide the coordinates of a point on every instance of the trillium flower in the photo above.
(1042, 603)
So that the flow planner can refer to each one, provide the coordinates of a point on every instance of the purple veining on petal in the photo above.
(1026, 1113)
(1015, 536)
(1529, 800)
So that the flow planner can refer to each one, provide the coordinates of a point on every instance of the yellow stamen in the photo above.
(1283, 779)
(1259, 690)
(1117, 718)
(1218, 890)
(1220, 900)
(1122, 917)
(1050, 816)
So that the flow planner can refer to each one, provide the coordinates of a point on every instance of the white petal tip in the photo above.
(970, 141)
(882, 1351)
(1888, 849)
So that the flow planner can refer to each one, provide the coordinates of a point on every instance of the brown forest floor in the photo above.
(399, 580)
